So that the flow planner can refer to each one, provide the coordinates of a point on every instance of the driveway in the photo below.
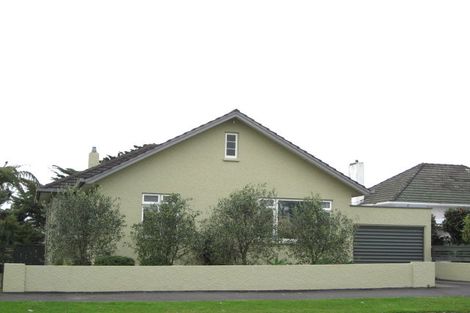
(443, 288)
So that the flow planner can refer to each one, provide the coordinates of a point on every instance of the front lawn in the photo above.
(436, 304)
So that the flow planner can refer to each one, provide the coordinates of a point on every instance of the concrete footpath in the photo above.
(443, 288)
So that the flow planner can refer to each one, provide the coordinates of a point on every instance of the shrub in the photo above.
(466, 229)
(166, 233)
(454, 223)
(319, 236)
(240, 229)
(82, 224)
(114, 260)
(210, 248)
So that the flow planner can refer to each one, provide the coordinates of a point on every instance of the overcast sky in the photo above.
(385, 82)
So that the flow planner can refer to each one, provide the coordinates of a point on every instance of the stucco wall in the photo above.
(35, 278)
(197, 170)
(453, 271)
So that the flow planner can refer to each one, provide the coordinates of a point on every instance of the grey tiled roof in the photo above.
(103, 167)
(431, 183)
(106, 168)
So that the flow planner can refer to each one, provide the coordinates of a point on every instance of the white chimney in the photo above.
(93, 158)
(356, 171)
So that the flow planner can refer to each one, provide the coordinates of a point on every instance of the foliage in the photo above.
(12, 181)
(82, 224)
(242, 227)
(210, 248)
(166, 233)
(120, 153)
(319, 236)
(454, 223)
(114, 260)
(62, 172)
(466, 229)
(22, 222)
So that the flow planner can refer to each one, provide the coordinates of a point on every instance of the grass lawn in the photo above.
(437, 304)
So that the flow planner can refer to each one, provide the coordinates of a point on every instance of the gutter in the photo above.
(419, 205)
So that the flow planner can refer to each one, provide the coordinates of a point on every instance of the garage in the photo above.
(388, 244)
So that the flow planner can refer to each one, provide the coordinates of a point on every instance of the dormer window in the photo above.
(231, 145)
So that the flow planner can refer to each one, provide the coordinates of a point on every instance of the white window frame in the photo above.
(145, 204)
(275, 208)
(236, 146)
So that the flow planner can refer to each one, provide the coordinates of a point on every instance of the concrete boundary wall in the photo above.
(453, 271)
(37, 278)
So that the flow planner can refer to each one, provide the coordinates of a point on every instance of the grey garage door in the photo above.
(388, 244)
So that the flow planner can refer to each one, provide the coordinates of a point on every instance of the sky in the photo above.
(383, 82)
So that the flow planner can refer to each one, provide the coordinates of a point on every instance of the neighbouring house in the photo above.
(435, 186)
(221, 156)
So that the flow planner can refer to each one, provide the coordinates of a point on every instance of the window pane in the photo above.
(232, 138)
(326, 205)
(149, 208)
(231, 152)
(151, 198)
(230, 145)
(285, 208)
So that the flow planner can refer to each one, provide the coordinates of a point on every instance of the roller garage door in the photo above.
(388, 244)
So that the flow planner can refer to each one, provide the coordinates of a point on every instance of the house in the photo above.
(221, 156)
(435, 186)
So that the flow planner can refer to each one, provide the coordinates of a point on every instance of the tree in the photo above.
(12, 181)
(319, 236)
(454, 223)
(243, 224)
(22, 219)
(81, 225)
(62, 172)
(166, 232)
(466, 229)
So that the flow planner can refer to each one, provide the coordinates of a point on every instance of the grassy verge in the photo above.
(437, 304)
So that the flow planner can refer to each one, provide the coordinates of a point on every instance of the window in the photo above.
(151, 201)
(231, 145)
(282, 210)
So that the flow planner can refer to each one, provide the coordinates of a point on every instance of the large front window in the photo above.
(283, 210)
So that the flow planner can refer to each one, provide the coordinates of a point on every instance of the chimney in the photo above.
(93, 158)
(356, 171)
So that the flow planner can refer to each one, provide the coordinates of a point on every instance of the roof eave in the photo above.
(430, 205)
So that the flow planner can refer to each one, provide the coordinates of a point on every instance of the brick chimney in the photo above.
(93, 158)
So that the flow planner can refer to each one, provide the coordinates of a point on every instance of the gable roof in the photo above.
(104, 169)
(425, 183)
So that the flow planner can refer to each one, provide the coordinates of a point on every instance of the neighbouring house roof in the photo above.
(106, 168)
(424, 183)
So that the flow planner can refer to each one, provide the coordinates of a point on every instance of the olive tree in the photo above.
(81, 225)
(241, 227)
(318, 236)
(166, 232)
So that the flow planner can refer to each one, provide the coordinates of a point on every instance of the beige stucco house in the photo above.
(212, 160)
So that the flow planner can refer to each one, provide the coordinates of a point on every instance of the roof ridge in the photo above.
(421, 166)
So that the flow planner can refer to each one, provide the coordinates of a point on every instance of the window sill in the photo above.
(231, 160)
